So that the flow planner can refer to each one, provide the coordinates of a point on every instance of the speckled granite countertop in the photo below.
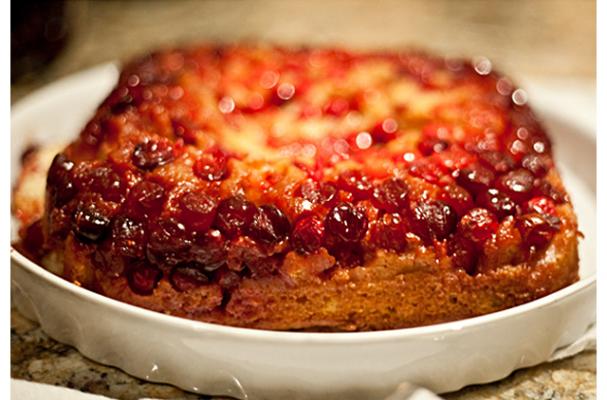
(522, 38)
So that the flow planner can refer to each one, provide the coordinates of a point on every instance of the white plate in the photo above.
(244, 363)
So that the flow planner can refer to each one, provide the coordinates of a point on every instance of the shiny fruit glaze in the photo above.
(207, 166)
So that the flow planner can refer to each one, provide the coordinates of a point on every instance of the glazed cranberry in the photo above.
(316, 193)
(212, 166)
(429, 171)
(432, 220)
(143, 278)
(463, 255)
(544, 188)
(389, 232)
(308, 234)
(347, 254)
(184, 129)
(187, 277)
(384, 131)
(498, 161)
(537, 164)
(209, 250)
(517, 184)
(498, 203)
(151, 154)
(457, 198)
(107, 182)
(168, 242)
(33, 239)
(537, 230)
(269, 225)
(356, 183)
(541, 205)
(431, 145)
(92, 218)
(197, 211)
(60, 181)
(391, 195)
(346, 223)
(475, 178)
(128, 237)
(478, 225)
(146, 198)
(337, 107)
(234, 215)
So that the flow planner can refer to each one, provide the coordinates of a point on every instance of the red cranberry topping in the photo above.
(209, 250)
(197, 211)
(316, 193)
(308, 235)
(541, 205)
(168, 242)
(346, 223)
(92, 218)
(432, 220)
(337, 107)
(143, 278)
(269, 225)
(463, 255)
(151, 154)
(537, 164)
(431, 145)
(478, 225)
(128, 237)
(184, 129)
(544, 188)
(33, 239)
(498, 161)
(187, 277)
(60, 181)
(212, 166)
(146, 198)
(475, 179)
(389, 232)
(355, 182)
(107, 182)
(498, 203)
(517, 184)
(234, 215)
(384, 131)
(428, 171)
(457, 198)
(391, 195)
(537, 230)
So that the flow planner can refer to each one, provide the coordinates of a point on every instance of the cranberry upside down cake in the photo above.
(305, 189)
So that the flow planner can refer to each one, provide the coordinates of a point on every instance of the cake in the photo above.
(305, 189)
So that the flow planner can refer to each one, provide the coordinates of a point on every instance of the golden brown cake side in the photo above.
(312, 189)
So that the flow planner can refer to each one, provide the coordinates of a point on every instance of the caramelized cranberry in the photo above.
(498, 203)
(544, 188)
(212, 166)
(184, 129)
(457, 198)
(316, 193)
(517, 184)
(128, 237)
(33, 239)
(356, 183)
(463, 255)
(498, 161)
(209, 250)
(384, 131)
(389, 232)
(105, 181)
(346, 223)
(146, 198)
(391, 195)
(92, 218)
(432, 220)
(168, 242)
(541, 205)
(431, 145)
(347, 254)
(143, 278)
(269, 225)
(478, 225)
(537, 230)
(428, 171)
(308, 234)
(151, 154)
(337, 107)
(60, 181)
(475, 178)
(187, 277)
(234, 215)
(197, 211)
(537, 164)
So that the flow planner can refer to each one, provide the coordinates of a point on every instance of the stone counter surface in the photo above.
(521, 38)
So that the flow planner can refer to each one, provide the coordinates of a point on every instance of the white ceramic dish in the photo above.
(255, 364)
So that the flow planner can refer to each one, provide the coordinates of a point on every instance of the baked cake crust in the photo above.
(305, 190)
